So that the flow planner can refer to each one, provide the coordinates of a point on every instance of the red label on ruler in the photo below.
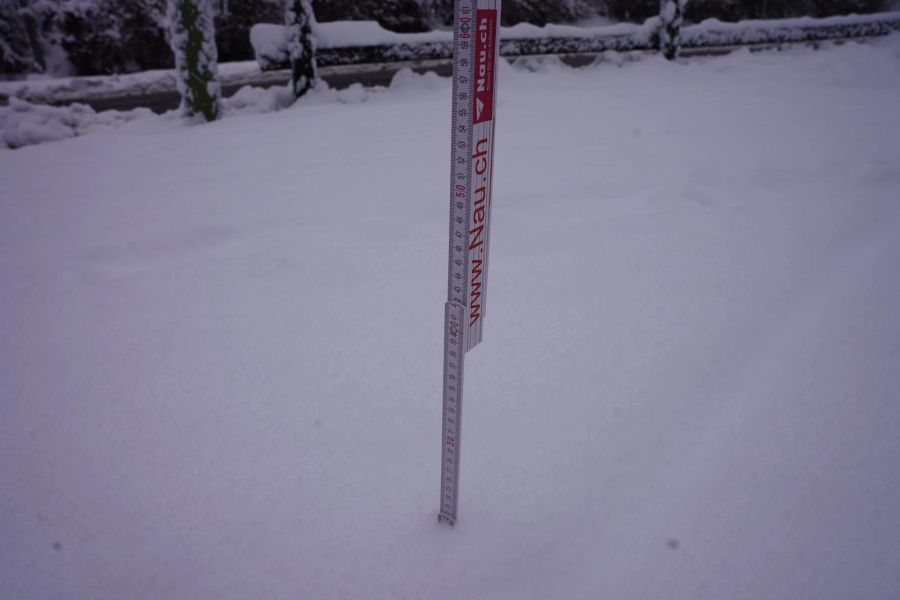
(485, 53)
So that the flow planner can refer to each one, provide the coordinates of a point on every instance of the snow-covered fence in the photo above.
(360, 42)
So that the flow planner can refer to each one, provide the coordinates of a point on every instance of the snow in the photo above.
(221, 344)
(62, 89)
(270, 44)
(24, 123)
(346, 34)
(714, 31)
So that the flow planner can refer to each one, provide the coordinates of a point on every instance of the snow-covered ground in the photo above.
(65, 89)
(220, 345)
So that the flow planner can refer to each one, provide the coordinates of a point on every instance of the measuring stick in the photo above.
(476, 51)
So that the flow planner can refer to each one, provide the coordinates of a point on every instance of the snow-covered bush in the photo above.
(270, 46)
(235, 18)
(79, 37)
(23, 123)
(193, 39)
(298, 18)
(91, 37)
(737, 10)
(671, 16)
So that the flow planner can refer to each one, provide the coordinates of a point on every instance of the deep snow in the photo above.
(221, 344)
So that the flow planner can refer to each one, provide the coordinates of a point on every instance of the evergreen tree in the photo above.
(234, 18)
(404, 16)
(438, 13)
(192, 37)
(671, 15)
(143, 34)
(298, 17)
(16, 51)
(541, 12)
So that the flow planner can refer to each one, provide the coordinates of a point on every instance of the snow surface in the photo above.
(62, 89)
(221, 344)
(23, 123)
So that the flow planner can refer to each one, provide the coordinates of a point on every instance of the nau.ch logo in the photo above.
(485, 52)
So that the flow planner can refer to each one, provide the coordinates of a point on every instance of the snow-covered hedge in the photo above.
(24, 124)
(270, 46)
(354, 42)
(741, 10)
(713, 32)
(88, 37)
(82, 36)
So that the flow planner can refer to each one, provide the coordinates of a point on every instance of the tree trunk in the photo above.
(671, 15)
(298, 17)
(192, 36)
